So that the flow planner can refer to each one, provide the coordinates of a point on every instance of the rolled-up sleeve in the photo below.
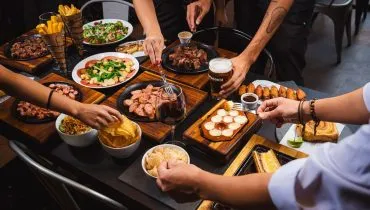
(281, 185)
(366, 95)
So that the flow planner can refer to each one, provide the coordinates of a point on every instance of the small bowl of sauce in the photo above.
(185, 37)
(249, 101)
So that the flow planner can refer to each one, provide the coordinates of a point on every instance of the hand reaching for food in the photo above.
(97, 116)
(177, 176)
(196, 11)
(281, 110)
(153, 47)
(240, 69)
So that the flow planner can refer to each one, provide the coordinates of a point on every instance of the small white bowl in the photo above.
(162, 145)
(80, 140)
(249, 105)
(123, 152)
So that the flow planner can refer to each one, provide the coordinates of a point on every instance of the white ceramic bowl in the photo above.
(123, 152)
(80, 140)
(162, 145)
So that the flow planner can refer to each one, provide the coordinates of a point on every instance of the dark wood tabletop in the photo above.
(96, 169)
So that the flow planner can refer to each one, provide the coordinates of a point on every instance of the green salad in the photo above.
(102, 33)
(106, 72)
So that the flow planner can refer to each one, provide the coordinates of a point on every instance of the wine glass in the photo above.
(171, 108)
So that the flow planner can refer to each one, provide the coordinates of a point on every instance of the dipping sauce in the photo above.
(249, 98)
(185, 35)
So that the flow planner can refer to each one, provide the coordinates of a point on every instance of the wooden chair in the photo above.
(361, 11)
(340, 12)
(57, 184)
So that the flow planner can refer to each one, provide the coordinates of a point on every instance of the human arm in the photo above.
(249, 191)
(274, 16)
(347, 108)
(154, 42)
(221, 17)
(26, 89)
(196, 11)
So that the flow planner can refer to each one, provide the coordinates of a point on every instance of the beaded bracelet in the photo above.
(49, 99)
(313, 114)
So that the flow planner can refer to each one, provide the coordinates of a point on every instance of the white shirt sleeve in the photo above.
(336, 176)
(366, 95)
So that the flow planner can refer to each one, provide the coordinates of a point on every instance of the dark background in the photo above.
(19, 16)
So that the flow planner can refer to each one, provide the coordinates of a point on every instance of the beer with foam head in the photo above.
(220, 71)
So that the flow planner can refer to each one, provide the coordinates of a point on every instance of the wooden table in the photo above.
(158, 131)
(198, 80)
(30, 66)
(244, 153)
(41, 132)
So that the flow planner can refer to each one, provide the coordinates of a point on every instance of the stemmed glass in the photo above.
(171, 108)
(56, 44)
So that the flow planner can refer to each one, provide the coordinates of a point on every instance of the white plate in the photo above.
(135, 54)
(100, 56)
(306, 147)
(265, 83)
(125, 23)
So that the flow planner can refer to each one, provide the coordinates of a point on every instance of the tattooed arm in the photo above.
(274, 16)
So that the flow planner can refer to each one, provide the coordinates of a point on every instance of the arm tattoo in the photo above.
(277, 16)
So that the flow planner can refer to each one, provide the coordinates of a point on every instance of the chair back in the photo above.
(24, 154)
(236, 41)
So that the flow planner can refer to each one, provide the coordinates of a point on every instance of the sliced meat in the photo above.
(133, 107)
(128, 102)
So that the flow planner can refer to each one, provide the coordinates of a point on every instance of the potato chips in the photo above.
(120, 134)
(160, 154)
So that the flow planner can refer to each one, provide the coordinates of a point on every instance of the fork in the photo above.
(240, 107)
(167, 87)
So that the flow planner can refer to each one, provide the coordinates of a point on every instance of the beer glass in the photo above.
(220, 71)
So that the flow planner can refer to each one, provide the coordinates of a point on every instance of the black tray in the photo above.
(32, 120)
(126, 94)
(167, 64)
(8, 53)
(249, 167)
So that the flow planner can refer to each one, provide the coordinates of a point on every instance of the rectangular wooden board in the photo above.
(158, 131)
(244, 153)
(224, 149)
(41, 132)
(29, 66)
(198, 80)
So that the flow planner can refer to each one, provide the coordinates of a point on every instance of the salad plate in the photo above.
(106, 32)
(105, 70)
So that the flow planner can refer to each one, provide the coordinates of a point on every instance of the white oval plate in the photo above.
(125, 23)
(100, 56)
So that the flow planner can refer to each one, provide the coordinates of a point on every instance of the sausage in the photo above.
(282, 91)
(242, 89)
(266, 93)
(301, 95)
(259, 91)
(274, 92)
(290, 94)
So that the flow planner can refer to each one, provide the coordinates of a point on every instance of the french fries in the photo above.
(65, 10)
(54, 25)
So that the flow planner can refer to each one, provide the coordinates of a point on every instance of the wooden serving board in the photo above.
(198, 80)
(41, 132)
(244, 153)
(158, 131)
(30, 66)
(224, 149)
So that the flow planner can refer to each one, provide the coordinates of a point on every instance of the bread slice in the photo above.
(325, 132)
(266, 162)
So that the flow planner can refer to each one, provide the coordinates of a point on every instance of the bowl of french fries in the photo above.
(66, 10)
(120, 139)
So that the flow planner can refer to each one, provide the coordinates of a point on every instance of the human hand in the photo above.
(153, 47)
(97, 116)
(196, 11)
(177, 177)
(279, 111)
(240, 68)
